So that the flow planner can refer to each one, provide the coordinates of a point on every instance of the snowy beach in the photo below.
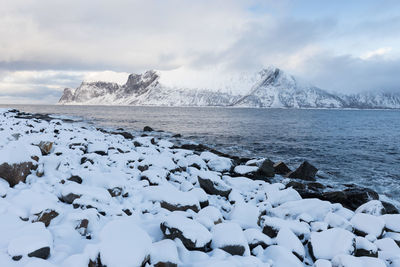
(76, 195)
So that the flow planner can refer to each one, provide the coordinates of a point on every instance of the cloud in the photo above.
(48, 45)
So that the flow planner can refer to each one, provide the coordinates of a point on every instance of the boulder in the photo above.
(164, 253)
(213, 184)
(42, 253)
(350, 198)
(75, 178)
(148, 129)
(265, 170)
(16, 172)
(329, 243)
(230, 238)
(69, 198)
(281, 168)
(45, 216)
(305, 171)
(365, 248)
(45, 147)
(256, 238)
(194, 236)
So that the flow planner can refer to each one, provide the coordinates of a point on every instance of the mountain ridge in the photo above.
(269, 88)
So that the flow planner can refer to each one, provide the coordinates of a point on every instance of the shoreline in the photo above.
(161, 187)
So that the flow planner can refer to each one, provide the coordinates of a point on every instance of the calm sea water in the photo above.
(348, 146)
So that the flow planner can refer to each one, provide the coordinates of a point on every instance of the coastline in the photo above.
(160, 186)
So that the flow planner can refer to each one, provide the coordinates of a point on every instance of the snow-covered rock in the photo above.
(329, 243)
(366, 224)
(230, 238)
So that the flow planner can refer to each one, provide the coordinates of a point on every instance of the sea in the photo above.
(347, 146)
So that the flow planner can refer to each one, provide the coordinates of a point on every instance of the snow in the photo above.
(392, 222)
(368, 224)
(229, 234)
(124, 244)
(30, 238)
(329, 243)
(164, 251)
(245, 215)
(373, 207)
(191, 229)
(281, 257)
(243, 169)
(14, 153)
(351, 261)
(334, 220)
(287, 239)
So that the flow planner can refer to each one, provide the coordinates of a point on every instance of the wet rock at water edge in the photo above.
(281, 168)
(265, 170)
(305, 171)
(350, 198)
(148, 129)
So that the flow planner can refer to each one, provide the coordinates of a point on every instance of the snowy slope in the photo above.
(269, 88)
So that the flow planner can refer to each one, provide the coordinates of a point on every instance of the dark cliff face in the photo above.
(67, 96)
(138, 83)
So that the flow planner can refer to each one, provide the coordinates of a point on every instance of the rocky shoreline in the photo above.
(75, 195)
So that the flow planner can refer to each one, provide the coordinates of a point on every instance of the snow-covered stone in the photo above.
(192, 234)
(329, 243)
(366, 224)
(124, 244)
(230, 238)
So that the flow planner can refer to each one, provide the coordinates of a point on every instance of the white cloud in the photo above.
(378, 52)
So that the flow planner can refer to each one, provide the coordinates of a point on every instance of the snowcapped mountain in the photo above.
(269, 88)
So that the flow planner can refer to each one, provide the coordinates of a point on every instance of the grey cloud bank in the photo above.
(41, 38)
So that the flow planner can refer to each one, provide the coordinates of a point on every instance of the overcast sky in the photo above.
(344, 46)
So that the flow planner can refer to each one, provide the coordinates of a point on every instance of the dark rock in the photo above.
(42, 253)
(281, 168)
(96, 262)
(45, 147)
(115, 192)
(350, 198)
(17, 258)
(165, 264)
(296, 185)
(148, 129)
(126, 135)
(137, 144)
(82, 227)
(265, 170)
(389, 208)
(177, 136)
(85, 159)
(16, 173)
(270, 231)
(234, 249)
(69, 198)
(46, 216)
(214, 188)
(172, 233)
(174, 207)
(315, 186)
(359, 252)
(75, 178)
(305, 171)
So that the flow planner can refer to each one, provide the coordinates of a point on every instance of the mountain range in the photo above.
(269, 88)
